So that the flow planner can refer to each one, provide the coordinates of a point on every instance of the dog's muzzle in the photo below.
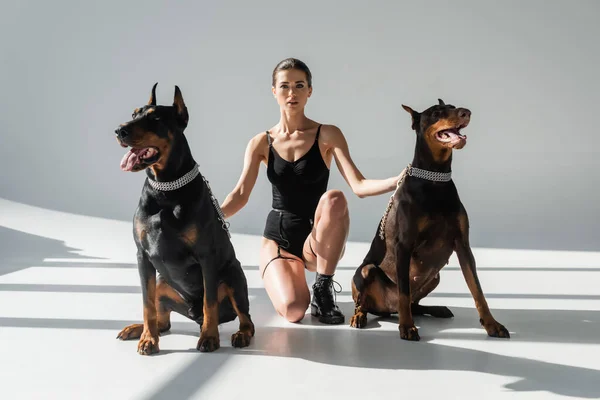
(121, 132)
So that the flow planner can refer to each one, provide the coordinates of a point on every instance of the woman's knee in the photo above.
(293, 311)
(334, 203)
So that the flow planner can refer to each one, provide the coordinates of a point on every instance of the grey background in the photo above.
(72, 71)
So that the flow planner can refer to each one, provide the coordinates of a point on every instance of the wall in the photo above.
(71, 72)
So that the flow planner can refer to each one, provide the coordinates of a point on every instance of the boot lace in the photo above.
(326, 290)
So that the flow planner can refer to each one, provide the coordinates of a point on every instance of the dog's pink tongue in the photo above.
(454, 138)
(131, 158)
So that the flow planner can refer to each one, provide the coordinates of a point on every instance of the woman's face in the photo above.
(291, 89)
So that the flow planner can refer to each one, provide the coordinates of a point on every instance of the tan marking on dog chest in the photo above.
(140, 229)
(190, 234)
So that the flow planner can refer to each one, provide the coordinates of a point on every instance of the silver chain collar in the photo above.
(184, 180)
(179, 183)
(417, 173)
(429, 175)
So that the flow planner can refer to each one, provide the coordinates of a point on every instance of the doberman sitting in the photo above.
(424, 224)
(179, 231)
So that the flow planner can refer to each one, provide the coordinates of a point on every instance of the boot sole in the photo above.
(314, 311)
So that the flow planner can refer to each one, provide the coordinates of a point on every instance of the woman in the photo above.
(308, 225)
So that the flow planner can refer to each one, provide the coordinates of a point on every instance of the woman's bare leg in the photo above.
(284, 281)
(329, 234)
(323, 250)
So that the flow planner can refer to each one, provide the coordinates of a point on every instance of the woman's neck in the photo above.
(292, 122)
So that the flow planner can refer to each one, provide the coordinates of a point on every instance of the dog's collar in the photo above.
(174, 185)
(417, 173)
(184, 180)
(429, 175)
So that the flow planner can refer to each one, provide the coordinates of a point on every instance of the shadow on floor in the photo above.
(373, 347)
(377, 348)
(22, 250)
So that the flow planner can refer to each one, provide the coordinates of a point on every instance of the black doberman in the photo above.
(180, 233)
(424, 224)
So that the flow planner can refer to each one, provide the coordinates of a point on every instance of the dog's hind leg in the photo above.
(373, 293)
(226, 311)
(169, 300)
(434, 311)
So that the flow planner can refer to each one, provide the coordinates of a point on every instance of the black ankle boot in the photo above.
(323, 302)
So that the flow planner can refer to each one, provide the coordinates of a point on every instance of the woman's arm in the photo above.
(361, 186)
(240, 194)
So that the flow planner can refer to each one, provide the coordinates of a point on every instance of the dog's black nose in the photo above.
(121, 132)
(464, 113)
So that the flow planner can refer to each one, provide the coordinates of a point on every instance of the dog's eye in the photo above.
(156, 117)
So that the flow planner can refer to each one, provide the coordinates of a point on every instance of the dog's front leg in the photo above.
(467, 265)
(209, 334)
(408, 330)
(148, 343)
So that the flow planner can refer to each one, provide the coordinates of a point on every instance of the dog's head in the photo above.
(440, 127)
(151, 133)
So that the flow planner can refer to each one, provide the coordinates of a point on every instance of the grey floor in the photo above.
(68, 284)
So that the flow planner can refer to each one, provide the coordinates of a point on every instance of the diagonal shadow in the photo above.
(479, 269)
(536, 326)
(189, 380)
(26, 287)
(375, 348)
(384, 350)
(528, 296)
(380, 349)
(506, 269)
(21, 250)
(87, 264)
(370, 348)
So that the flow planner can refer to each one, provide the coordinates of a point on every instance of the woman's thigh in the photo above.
(310, 251)
(284, 280)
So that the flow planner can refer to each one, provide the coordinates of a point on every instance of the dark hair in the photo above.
(293, 63)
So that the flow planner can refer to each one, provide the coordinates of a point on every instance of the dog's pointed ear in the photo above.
(182, 112)
(152, 101)
(441, 102)
(416, 117)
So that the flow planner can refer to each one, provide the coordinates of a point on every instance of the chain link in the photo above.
(224, 224)
(389, 205)
(417, 173)
(430, 175)
(184, 180)
(174, 185)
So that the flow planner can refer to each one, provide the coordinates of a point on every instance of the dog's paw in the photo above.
(408, 332)
(495, 329)
(148, 344)
(241, 339)
(131, 332)
(207, 344)
(358, 320)
(440, 312)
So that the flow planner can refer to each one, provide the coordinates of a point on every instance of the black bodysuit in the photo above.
(297, 188)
